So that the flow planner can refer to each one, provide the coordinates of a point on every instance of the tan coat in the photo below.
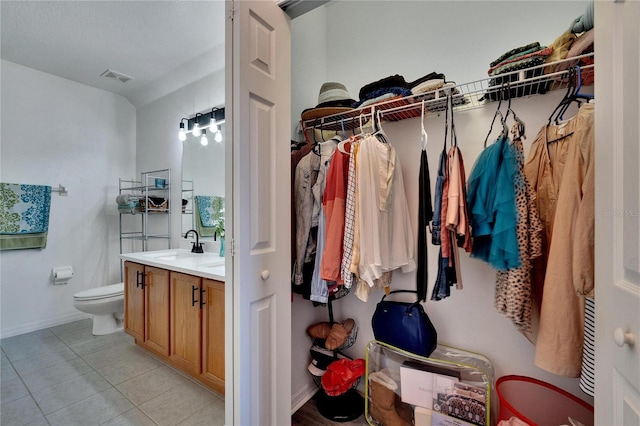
(562, 174)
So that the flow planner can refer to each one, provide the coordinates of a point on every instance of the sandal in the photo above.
(320, 330)
(339, 334)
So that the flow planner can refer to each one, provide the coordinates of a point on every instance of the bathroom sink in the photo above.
(173, 255)
(212, 264)
(182, 260)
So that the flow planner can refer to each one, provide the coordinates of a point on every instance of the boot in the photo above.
(382, 392)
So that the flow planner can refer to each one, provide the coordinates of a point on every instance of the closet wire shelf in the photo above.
(465, 96)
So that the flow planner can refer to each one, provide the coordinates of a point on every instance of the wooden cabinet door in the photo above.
(133, 301)
(213, 339)
(186, 322)
(157, 309)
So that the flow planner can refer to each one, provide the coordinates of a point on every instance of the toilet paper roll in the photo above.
(61, 274)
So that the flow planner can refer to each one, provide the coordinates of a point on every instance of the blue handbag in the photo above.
(404, 325)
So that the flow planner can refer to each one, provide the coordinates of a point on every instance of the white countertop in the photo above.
(207, 265)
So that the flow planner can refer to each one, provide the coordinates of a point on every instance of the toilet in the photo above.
(107, 306)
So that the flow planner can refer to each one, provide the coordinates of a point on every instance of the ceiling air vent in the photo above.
(123, 78)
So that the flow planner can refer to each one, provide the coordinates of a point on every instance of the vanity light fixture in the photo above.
(182, 135)
(203, 140)
(201, 122)
(196, 129)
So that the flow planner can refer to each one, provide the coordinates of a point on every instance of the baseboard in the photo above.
(303, 395)
(39, 325)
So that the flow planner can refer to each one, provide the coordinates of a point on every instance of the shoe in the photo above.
(341, 375)
(321, 359)
(320, 330)
(339, 334)
(382, 400)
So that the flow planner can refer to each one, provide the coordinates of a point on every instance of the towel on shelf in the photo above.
(208, 209)
(126, 199)
(24, 216)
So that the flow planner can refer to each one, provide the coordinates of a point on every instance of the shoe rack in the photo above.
(349, 405)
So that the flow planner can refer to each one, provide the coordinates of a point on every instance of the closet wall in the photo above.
(458, 39)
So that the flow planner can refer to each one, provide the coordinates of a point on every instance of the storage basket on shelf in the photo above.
(539, 403)
(155, 204)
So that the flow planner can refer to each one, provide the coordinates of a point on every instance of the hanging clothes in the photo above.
(349, 219)
(298, 152)
(320, 287)
(562, 174)
(446, 275)
(306, 176)
(491, 200)
(386, 238)
(351, 256)
(513, 294)
(334, 205)
(453, 217)
(425, 215)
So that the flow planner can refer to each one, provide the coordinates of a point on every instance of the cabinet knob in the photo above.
(623, 338)
(265, 274)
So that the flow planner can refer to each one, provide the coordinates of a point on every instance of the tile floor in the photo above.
(66, 376)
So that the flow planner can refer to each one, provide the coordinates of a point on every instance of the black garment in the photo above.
(425, 215)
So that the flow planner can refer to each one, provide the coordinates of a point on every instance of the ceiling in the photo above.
(163, 45)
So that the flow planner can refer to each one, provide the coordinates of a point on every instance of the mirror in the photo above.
(202, 175)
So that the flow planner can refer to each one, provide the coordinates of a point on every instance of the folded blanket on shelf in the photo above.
(498, 69)
(428, 86)
(24, 216)
(397, 91)
(513, 52)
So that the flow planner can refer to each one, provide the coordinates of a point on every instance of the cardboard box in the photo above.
(422, 416)
(421, 384)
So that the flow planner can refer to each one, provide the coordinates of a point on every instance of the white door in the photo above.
(617, 94)
(258, 46)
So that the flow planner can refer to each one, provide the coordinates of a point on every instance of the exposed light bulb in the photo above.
(203, 140)
(218, 136)
(181, 134)
(213, 126)
(196, 130)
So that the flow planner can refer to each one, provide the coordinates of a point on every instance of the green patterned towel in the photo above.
(24, 216)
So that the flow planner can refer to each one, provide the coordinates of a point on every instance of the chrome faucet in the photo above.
(197, 246)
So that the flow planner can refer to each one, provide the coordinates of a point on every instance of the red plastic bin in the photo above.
(539, 403)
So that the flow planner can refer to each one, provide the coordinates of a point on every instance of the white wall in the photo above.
(413, 39)
(158, 146)
(55, 131)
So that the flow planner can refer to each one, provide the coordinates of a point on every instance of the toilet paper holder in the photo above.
(61, 274)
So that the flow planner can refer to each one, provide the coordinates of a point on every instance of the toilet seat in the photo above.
(103, 292)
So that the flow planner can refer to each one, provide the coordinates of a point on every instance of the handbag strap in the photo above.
(401, 291)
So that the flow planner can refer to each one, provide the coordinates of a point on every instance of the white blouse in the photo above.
(386, 238)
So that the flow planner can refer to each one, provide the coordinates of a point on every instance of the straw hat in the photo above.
(332, 99)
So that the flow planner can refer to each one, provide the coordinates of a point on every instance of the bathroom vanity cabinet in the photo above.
(197, 328)
(146, 306)
(178, 317)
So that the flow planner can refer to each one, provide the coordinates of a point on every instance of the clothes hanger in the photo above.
(577, 93)
(519, 130)
(424, 136)
(568, 99)
(497, 113)
(454, 137)
(380, 134)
